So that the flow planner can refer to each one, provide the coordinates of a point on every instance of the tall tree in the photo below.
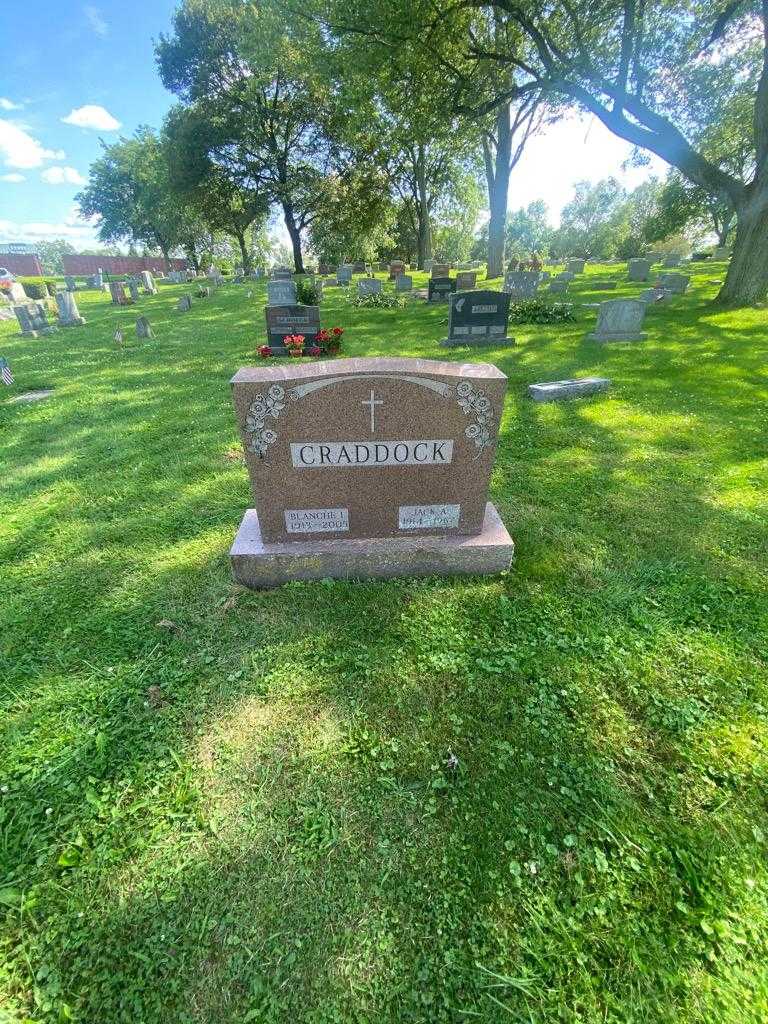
(250, 62)
(659, 76)
(130, 189)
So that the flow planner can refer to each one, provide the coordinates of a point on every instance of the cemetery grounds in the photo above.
(537, 797)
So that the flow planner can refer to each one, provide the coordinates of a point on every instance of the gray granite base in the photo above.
(481, 341)
(616, 337)
(260, 565)
(557, 390)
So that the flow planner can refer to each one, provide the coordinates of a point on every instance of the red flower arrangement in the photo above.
(330, 341)
(295, 344)
(265, 351)
(314, 350)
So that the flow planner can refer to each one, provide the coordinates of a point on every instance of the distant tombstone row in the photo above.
(290, 319)
(478, 318)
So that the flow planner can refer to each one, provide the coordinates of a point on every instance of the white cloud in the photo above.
(92, 116)
(62, 176)
(77, 230)
(19, 149)
(95, 20)
(8, 104)
(14, 179)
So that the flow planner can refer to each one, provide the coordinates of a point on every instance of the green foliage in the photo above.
(539, 311)
(307, 292)
(631, 246)
(38, 287)
(382, 300)
(52, 255)
(528, 230)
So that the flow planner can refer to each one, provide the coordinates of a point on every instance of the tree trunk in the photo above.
(424, 230)
(497, 178)
(244, 253)
(746, 281)
(295, 233)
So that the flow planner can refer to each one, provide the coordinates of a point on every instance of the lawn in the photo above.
(221, 806)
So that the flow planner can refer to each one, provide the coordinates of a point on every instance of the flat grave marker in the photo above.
(558, 390)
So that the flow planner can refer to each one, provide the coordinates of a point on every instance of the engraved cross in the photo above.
(372, 402)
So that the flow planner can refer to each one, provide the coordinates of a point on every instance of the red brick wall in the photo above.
(22, 264)
(77, 265)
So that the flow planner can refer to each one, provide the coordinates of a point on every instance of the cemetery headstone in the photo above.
(428, 264)
(440, 270)
(675, 283)
(396, 267)
(557, 390)
(143, 328)
(188, 275)
(368, 286)
(672, 261)
(281, 293)
(33, 319)
(559, 286)
(638, 269)
(70, 283)
(358, 267)
(69, 314)
(521, 284)
(148, 283)
(565, 275)
(117, 291)
(466, 280)
(343, 275)
(403, 283)
(133, 288)
(185, 304)
(291, 319)
(204, 291)
(620, 320)
(440, 288)
(369, 468)
(654, 295)
(575, 266)
(282, 274)
(478, 318)
(16, 292)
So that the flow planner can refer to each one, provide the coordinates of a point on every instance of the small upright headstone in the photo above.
(478, 318)
(673, 260)
(575, 266)
(369, 468)
(440, 288)
(521, 284)
(133, 288)
(358, 267)
(638, 269)
(16, 292)
(117, 291)
(565, 275)
(559, 285)
(466, 280)
(428, 264)
(185, 303)
(396, 268)
(148, 283)
(70, 283)
(403, 283)
(69, 314)
(281, 293)
(204, 291)
(343, 275)
(620, 320)
(440, 270)
(291, 319)
(654, 295)
(557, 390)
(675, 283)
(282, 274)
(33, 319)
(143, 328)
(368, 286)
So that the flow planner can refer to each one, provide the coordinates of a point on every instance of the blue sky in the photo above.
(86, 71)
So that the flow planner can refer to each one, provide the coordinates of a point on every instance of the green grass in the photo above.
(225, 807)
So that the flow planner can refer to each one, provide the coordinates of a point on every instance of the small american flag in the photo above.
(119, 335)
(5, 372)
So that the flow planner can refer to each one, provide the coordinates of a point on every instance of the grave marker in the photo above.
(143, 328)
(343, 276)
(117, 291)
(148, 283)
(133, 288)
(368, 286)
(478, 318)
(70, 283)
(396, 268)
(369, 468)
(557, 390)
(185, 303)
(575, 266)
(69, 314)
(620, 320)
(440, 288)
(521, 284)
(639, 269)
(33, 319)
(675, 283)
(441, 270)
(466, 281)
(281, 293)
(403, 283)
(291, 319)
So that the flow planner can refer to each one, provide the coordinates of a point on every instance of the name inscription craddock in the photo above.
(346, 454)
